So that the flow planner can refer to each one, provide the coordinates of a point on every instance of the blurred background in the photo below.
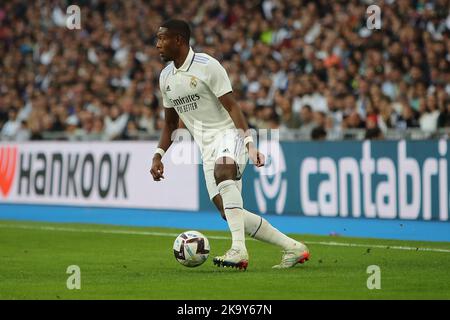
(309, 68)
(360, 172)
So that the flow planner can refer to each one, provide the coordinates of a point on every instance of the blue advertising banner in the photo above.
(406, 180)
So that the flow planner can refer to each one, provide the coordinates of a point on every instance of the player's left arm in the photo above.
(231, 105)
(220, 84)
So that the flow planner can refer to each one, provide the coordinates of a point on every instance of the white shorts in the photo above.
(229, 145)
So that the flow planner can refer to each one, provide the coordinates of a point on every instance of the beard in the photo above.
(165, 58)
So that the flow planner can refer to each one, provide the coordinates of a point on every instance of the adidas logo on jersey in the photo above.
(225, 150)
(168, 88)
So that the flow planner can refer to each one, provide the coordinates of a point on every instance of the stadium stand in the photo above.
(294, 64)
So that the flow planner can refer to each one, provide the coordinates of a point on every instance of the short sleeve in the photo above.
(217, 80)
(163, 88)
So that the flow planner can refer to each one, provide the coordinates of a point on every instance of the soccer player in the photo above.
(196, 89)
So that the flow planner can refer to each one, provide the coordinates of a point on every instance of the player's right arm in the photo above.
(171, 120)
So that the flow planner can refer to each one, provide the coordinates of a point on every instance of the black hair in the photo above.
(373, 133)
(307, 106)
(178, 27)
(318, 133)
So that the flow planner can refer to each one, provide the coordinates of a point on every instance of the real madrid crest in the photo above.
(193, 82)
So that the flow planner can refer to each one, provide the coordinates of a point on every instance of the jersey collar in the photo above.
(187, 63)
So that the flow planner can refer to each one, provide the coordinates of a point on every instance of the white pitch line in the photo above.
(343, 244)
(131, 232)
(165, 234)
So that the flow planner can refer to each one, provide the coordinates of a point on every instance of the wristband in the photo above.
(160, 151)
(247, 140)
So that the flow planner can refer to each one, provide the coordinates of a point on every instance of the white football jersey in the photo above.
(193, 90)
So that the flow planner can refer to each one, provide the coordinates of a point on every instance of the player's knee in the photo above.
(217, 200)
(222, 211)
(224, 172)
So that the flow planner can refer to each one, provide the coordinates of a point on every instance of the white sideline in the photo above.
(165, 234)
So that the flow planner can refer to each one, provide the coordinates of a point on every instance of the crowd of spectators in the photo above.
(313, 66)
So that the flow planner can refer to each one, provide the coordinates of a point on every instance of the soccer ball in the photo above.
(191, 248)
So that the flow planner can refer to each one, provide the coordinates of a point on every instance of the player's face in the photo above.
(167, 44)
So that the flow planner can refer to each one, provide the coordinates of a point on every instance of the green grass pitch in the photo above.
(138, 263)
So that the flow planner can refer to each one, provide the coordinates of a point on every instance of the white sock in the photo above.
(259, 228)
(232, 204)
